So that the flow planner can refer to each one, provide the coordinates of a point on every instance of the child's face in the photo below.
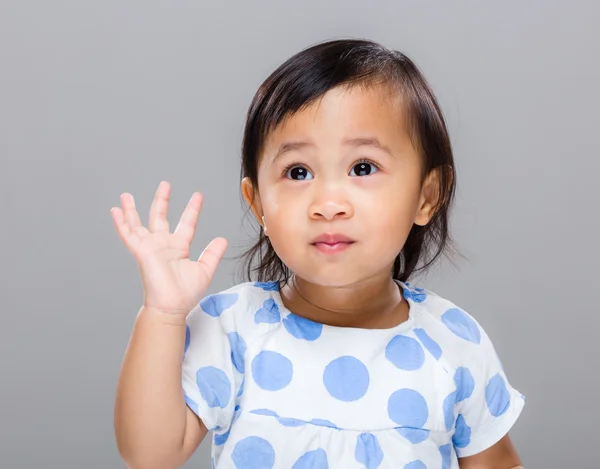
(336, 187)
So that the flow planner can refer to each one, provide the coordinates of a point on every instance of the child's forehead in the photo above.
(344, 113)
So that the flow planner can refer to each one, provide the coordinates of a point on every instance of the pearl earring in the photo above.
(264, 224)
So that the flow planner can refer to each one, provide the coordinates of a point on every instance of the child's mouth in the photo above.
(332, 243)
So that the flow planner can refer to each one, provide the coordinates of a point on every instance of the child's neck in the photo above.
(375, 303)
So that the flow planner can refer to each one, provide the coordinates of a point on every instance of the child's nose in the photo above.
(330, 205)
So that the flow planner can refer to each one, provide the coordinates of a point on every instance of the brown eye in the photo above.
(298, 173)
(363, 169)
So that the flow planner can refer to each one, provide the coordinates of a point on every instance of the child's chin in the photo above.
(334, 277)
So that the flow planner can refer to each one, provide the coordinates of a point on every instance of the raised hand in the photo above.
(172, 282)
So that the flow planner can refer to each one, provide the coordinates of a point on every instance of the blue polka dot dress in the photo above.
(281, 391)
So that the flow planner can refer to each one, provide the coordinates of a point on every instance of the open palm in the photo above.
(173, 283)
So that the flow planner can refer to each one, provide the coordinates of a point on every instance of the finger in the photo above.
(131, 215)
(189, 218)
(158, 210)
(212, 255)
(127, 235)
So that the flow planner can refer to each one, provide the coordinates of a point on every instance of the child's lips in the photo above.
(332, 239)
(332, 248)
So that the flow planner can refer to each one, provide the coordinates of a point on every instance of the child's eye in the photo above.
(364, 168)
(298, 173)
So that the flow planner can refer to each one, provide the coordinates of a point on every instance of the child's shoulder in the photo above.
(244, 307)
(240, 296)
(442, 317)
(449, 332)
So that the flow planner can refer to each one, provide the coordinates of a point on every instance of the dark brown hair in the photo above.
(306, 77)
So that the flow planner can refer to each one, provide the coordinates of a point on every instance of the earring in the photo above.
(264, 225)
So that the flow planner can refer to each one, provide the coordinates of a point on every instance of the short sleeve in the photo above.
(487, 406)
(213, 361)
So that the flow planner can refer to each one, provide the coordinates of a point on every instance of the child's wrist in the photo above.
(163, 317)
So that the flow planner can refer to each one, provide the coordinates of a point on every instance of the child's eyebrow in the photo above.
(368, 141)
(291, 146)
(351, 142)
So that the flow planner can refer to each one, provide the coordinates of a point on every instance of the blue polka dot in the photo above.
(323, 423)
(238, 350)
(191, 404)
(290, 422)
(418, 295)
(414, 435)
(405, 353)
(214, 305)
(430, 344)
(272, 371)
(448, 407)
(446, 454)
(267, 286)
(214, 386)
(285, 421)
(465, 384)
(497, 396)
(221, 439)
(316, 459)
(187, 338)
(368, 451)
(268, 412)
(268, 313)
(462, 434)
(253, 453)
(346, 379)
(302, 328)
(462, 325)
(408, 408)
(415, 465)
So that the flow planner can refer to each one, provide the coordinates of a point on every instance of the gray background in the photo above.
(98, 98)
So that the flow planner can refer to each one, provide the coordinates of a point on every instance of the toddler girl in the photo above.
(329, 358)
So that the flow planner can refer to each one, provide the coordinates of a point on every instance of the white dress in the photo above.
(280, 391)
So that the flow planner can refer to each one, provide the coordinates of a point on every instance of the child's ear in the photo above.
(252, 198)
(430, 199)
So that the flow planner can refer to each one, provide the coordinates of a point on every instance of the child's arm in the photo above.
(486, 406)
(502, 455)
(153, 426)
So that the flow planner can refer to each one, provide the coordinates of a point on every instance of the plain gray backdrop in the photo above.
(99, 98)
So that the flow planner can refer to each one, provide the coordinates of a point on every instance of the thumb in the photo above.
(212, 255)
